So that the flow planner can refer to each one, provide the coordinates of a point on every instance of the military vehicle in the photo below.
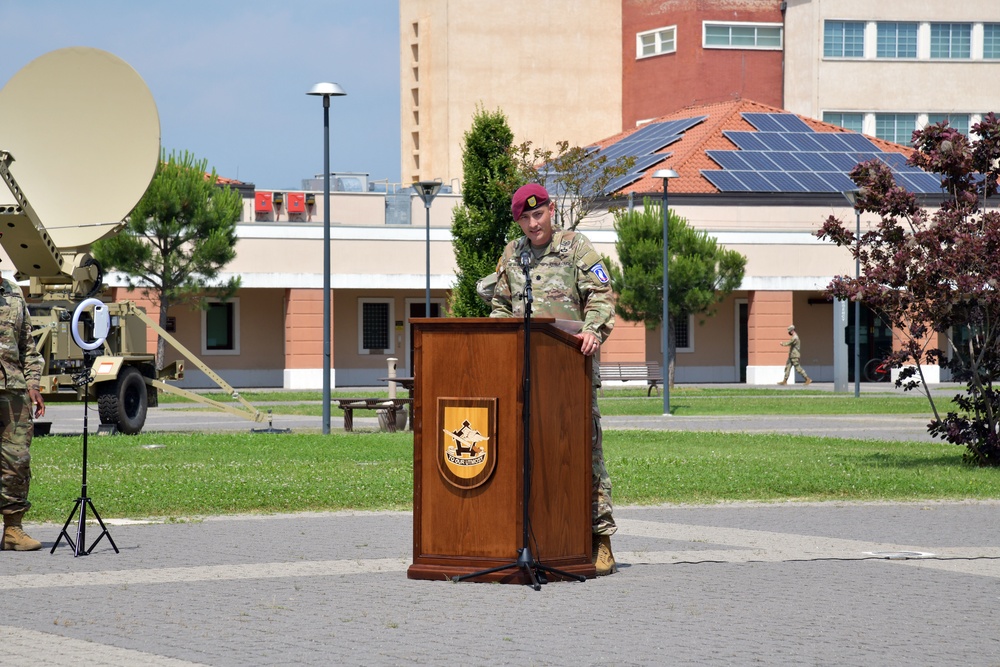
(79, 145)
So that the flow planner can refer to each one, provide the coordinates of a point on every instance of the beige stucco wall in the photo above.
(553, 67)
(814, 84)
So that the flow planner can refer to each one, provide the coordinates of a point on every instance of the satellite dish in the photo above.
(84, 133)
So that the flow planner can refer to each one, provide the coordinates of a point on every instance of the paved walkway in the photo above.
(735, 584)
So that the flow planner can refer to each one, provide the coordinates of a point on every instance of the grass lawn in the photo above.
(184, 475)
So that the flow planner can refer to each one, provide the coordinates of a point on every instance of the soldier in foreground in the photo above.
(20, 402)
(569, 282)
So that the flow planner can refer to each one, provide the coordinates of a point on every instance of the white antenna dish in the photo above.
(84, 133)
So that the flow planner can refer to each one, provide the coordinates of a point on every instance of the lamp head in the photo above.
(326, 90)
(427, 190)
(665, 174)
(851, 196)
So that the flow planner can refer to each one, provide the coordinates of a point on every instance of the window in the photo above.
(220, 330)
(896, 127)
(656, 42)
(991, 41)
(850, 121)
(684, 333)
(897, 40)
(951, 40)
(959, 121)
(844, 39)
(375, 326)
(741, 36)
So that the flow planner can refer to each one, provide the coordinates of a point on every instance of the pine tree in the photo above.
(701, 274)
(482, 225)
(179, 236)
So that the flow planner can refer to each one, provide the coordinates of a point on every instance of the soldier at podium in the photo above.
(569, 282)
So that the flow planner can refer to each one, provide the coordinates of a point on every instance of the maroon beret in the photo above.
(527, 198)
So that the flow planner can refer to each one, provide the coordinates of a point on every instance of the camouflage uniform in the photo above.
(794, 354)
(570, 283)
(21, 366)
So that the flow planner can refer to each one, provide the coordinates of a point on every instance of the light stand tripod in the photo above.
(525, 562)
(84, 501)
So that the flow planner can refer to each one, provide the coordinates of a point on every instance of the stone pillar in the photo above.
(769, 314)
(304, 340)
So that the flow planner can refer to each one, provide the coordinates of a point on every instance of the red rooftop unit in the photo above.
(262, 202)
(296, 202)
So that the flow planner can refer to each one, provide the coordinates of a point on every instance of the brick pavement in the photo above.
(740, 584)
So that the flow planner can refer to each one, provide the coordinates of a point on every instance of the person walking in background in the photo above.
(794, 353)
(20, 402)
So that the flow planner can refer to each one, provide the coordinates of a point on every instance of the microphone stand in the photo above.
(84, 501)
(525, 562)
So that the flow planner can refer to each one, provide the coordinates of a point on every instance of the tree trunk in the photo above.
(161, 344)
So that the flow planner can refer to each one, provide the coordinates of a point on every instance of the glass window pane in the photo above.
(743, 36)
(716, 35)
(991, 40)
(896, 40)
(768, 36)
(959, 121)
(895, 127)
(850, 121)
(219, 329)
(375, 326)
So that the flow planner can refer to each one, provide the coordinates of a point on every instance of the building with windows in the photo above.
(888, 68)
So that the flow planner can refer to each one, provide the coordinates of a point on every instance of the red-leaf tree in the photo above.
(934, 275)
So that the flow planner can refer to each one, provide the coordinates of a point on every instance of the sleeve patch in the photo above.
(602, 275)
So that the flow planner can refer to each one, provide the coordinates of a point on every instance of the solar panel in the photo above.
(728, 159)
(919, 182)
(724, 181)
(791, 123)
(814, 161)
(842, 161)
(894, 160)
(811, 181)
(858, 142)
(775, 141)
(803, 141)
(788, 161)
(759, 160)
(783, 181)
(748, 141)
(838, 182)
(755, 182)
(764, 122)
(830, 141)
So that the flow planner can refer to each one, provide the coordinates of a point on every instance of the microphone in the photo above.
(525, 259)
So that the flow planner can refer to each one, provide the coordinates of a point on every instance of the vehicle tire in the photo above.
(871, 371)
(123, 402)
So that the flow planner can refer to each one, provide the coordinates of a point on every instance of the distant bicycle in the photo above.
(877, 370)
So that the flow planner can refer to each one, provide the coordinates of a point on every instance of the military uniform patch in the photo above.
(598, 270)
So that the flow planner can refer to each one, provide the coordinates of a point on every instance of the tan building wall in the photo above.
(815, 84)
(554, 68)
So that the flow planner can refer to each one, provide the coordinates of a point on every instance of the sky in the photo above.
(230, 77)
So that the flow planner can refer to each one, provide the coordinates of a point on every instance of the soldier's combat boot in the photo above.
(783, 382)
(14, 537)
(602, 557)
(808, 382)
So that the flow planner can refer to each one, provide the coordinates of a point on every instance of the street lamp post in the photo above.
(326, 91)
(666, 175)
(852, 197)
(427, 191)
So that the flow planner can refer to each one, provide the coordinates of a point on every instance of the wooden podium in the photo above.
(468, 448)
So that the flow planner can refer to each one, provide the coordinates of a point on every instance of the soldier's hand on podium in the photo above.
(589, 343)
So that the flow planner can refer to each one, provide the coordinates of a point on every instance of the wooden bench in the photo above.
(389, 405)
(625, 371)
